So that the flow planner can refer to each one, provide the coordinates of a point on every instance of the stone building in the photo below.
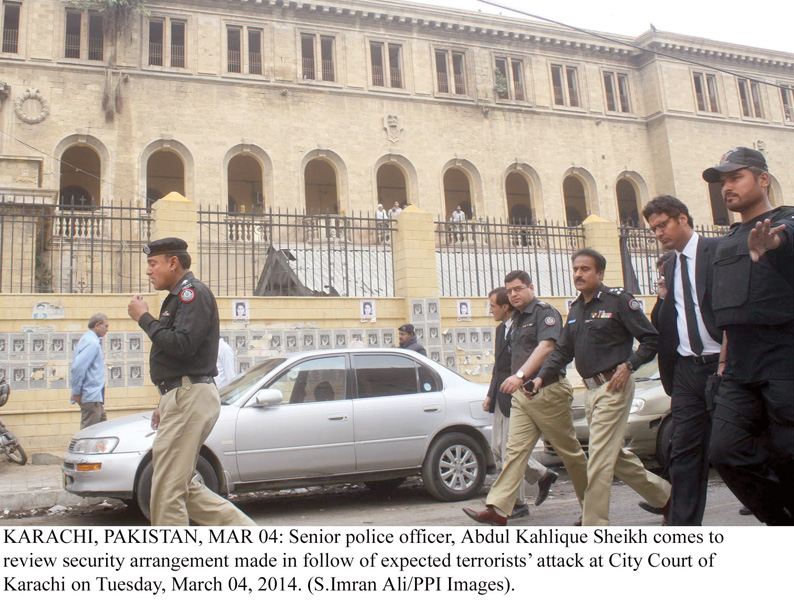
(337, 105)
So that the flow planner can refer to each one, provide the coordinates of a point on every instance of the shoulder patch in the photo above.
(187, 295)
(634, 304)
(549, 321)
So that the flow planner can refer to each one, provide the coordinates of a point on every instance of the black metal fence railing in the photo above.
(640, 250)
(94, 250)
(473, 257)
(290, 254)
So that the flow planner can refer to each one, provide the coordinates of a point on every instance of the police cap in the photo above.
(407, 328)
(169, 245)
(733, 160)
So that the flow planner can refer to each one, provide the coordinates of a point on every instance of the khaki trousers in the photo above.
(501, 429)
(187, 415)
(607, 415)
(547, 412)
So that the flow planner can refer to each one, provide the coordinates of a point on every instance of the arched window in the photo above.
(628, 208)
(165, 173)
(245, 184)
(391, 185)
(575, 200)
(519, 201)
(81, 173)
(457, 192)
(321, 188)
(719, 211)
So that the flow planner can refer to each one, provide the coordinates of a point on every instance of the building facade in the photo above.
(335, 106)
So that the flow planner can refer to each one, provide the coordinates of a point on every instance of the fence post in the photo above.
(414, 247)
(176, 216)
(604, 236)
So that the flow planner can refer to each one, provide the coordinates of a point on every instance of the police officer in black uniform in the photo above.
(601, 327)
(182, 366)
(752, 444)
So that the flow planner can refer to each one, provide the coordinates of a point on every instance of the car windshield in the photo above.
(241, 384)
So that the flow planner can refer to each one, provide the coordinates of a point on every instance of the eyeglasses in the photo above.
(663, 225)
(515, 290)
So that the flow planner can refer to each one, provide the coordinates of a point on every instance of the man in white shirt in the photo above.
(225, 364)
(395, 210)
(382, 224)
(458, 219)
(689, 352)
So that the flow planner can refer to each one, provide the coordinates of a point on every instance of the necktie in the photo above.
(695, 341)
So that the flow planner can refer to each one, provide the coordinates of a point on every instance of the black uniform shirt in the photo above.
(600, 334)
(413, 344)
(185, 338)
(537, 323)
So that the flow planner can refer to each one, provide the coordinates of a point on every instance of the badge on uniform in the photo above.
(635, 304)
(549, 321)
(187, 295)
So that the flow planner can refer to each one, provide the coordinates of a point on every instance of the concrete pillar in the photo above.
(414, 246)
(176, 216)
(604, 236)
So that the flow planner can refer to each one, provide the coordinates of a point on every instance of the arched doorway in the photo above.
(457, 192)
(391, 185)
(719, 211)
(81, 173)
(245, 188)
(628, 208)
(575, 200)
(519, 200)
(165, 173)
(321, 188)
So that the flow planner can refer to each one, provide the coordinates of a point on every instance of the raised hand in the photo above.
(763, 238)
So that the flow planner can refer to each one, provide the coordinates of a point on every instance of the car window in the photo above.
(384, 375)
(428, 380)
(243, 382)
(315, 380)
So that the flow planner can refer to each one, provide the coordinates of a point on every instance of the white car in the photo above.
(368, 415)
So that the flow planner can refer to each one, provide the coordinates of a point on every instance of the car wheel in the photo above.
(143, 489)
(663, 438)
(454, 468)
(384, 487)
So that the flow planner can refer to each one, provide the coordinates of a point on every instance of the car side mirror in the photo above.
(268, 397)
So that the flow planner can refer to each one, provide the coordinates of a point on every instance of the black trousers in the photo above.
(688, 466)
(752, 446)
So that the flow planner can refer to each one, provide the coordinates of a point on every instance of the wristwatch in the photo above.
(629, 366)
(520, 374)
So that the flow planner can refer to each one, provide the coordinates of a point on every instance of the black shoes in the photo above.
(519, 510)
(544, 486)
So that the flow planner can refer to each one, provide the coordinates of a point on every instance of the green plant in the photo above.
(501, 83)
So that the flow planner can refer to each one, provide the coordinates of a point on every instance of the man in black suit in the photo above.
(689, 352)
(499, 404)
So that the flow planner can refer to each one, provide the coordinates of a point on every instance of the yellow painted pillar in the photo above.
(414, 247)
(176, 216)
(604, 236)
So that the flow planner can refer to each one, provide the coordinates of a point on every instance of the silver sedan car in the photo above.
(357, 415)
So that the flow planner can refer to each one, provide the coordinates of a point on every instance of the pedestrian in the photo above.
(88, 373)
(545, 410)
(224, 364)
(602, 324)
(182, 364)
(408, 341)
(395, 210)
(689, 352)
(498, 403)
(752, 440)
(458, 219)
(382, 224)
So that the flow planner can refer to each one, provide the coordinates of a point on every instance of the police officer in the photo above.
(752, 443)
(182, 366)
(536, 327)
(408, 341)
(601, 326)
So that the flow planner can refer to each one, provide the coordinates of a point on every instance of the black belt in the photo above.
(706, 359)
(167, 385)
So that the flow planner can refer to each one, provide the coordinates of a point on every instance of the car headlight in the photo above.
(95, 445)
(636, 405)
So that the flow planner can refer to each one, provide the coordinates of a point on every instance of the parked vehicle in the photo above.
(8, 441)
(356, 415)
(650, 424)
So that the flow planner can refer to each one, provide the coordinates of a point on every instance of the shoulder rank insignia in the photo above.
(543, 304)
(635, 304)
(616, 290)
(187, 295)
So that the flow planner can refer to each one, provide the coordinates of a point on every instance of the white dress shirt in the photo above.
(225, 364)
(710, 345)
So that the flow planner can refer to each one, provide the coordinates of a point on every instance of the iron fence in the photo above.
(92, 250)
(640, 250)
(291, 254)
(473, 257)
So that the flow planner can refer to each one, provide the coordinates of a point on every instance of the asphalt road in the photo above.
(410, 504)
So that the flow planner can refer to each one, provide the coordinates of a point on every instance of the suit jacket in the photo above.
(501, 371)
(668, 330)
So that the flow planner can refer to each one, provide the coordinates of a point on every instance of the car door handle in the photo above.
(430, 409)
(338, 418)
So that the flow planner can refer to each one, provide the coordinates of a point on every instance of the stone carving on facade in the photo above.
(393, 127)
(32, 94)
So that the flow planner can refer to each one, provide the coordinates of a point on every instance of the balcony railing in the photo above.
(233, 58)
(254, 63)
(177, 55)
(72, 46)
(156, 54)
(11, 40)
(308, 68)
(96, 47)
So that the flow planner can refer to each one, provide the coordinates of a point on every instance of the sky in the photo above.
(771, 30)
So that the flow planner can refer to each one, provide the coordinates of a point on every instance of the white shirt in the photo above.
(710, 345)
(508, 325)
(393, 212)
(380, 214)
(225, 364)
(458, 216)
